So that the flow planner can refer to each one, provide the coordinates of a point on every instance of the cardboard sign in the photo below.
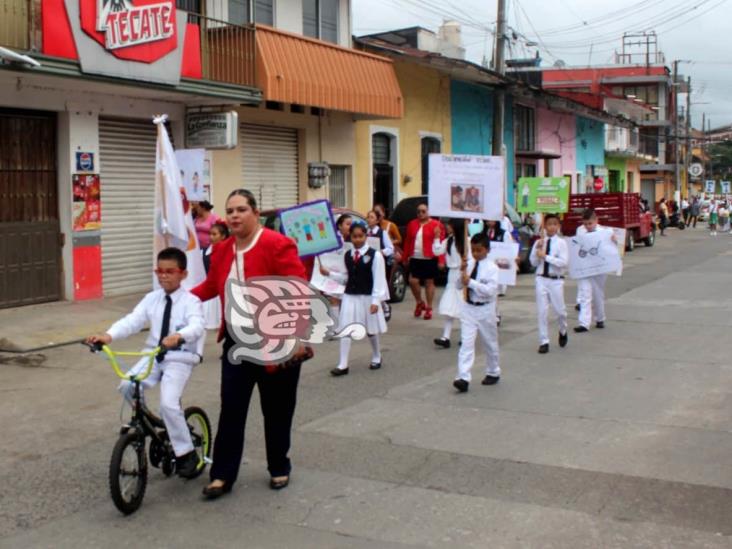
(333, 261)
(504, 254)
(725, 187)
(312, 227)
(709, 186)
(543, 194)
(593, 254)
(466, 186)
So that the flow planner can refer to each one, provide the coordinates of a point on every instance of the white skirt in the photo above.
(355, 310)
(212, 313)
(452, 297)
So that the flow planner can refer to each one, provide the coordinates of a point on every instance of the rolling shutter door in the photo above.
(127, 168)
(269, 164)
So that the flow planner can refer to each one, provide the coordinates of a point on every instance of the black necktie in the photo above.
(165, 326)
(474, 276)
(548, 249)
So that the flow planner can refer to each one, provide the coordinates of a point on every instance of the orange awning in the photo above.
(304, 71)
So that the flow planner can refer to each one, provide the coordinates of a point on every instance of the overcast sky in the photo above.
(580, 32)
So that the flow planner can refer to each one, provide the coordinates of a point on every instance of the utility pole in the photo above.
(677, 166)
(499, 104)
(687, 157)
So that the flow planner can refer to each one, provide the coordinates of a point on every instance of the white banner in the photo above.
(466, 186)
(504, 254)
(174, 225)
(592, 254)
(191, 163)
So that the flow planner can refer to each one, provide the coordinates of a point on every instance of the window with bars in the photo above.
(237, 12)
(320, 19)
(338, 187)
(524, 127)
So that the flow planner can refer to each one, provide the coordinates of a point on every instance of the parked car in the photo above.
(406, 210)
(397, 275)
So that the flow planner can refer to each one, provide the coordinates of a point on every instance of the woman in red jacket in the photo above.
(423, 263)
(259, 252)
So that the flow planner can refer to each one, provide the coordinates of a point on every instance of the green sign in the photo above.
(543, 194)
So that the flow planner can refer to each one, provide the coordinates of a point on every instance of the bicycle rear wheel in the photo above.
(128, 472)
(200, 428)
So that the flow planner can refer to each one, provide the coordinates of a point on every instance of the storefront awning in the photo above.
(303, 71)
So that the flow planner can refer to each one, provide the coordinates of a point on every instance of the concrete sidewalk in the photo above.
(35, 327)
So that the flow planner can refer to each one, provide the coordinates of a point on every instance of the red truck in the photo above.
(622, 210)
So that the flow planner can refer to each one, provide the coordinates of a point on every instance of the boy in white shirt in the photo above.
(176, 322)
(478, 314)
(550, 257)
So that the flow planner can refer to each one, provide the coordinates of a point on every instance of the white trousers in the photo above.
(478, 322)
(173, 377)
(591, 297)
(550, 292)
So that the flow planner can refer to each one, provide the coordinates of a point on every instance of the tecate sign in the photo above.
(217, 130)
(120, 26)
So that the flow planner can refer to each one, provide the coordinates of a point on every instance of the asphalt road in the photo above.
(620, 440)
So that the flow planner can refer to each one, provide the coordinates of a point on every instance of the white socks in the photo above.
(447, 328)
(345, 349)
(375, 349)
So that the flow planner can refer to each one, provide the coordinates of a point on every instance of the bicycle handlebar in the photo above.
(112, 357)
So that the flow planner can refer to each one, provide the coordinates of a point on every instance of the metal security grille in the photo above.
(127, 167)
(270, 164)
(338, 186)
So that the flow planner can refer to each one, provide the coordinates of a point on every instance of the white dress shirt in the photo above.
(186, 319)
(453, 260)
(419, 244)
(386, 247)
(558, 257)
(484, 287)
(380, 291)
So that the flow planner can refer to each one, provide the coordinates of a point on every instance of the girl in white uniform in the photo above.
(366, 289)
(337, 258)
(453, 247)
(212, 308)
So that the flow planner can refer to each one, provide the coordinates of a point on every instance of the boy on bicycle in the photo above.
(176, 321)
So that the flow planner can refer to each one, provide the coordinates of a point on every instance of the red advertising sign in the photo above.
(134, 30)
(599, 184)
(86, 209)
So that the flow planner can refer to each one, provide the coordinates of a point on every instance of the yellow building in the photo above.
(390, 154)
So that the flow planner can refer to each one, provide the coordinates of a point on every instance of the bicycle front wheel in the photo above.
(200, 428)
(128, 472)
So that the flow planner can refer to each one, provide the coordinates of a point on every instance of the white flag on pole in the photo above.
(173, 220)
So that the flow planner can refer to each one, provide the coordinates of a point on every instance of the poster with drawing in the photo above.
(192, 165)
(620, 235)
(333, 261)
(504, 254)
(592, 254)
(466, 186)
(312, 227)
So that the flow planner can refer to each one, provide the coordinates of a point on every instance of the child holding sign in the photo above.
(550, 257)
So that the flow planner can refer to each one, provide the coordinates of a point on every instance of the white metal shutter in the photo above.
(127, 171)
(270, 165)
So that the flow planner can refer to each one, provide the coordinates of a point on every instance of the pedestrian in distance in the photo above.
(694, 210)
(663, 215)
(175, 318)
(591, 289)
(422, 261)
(337, 258)
(366, 289)
(685, 210)
(479, 276)
(453, 247)
(713, 217)
(212, 307)
(550, 257)
(379, 240)
(391, 229)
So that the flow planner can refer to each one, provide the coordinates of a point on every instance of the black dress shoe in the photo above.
(563, 339)
(490, 380)
(461, 385)
(600, 324)
(335, 372)
(374, 365)
(543, 348)
(187, 465)
(217, 491)
(577, 307)
(442, 342)
(580, 330)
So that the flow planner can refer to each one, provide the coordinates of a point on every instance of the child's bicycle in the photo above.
(128, 466)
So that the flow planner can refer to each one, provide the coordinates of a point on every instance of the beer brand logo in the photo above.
(135, 30)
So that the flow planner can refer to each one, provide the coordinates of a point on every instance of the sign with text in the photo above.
(312, 228)
(504, 254)
(725, 187)
(543, 194)
(593, 254)
(466, 186)
(212, 130)
(709, 186)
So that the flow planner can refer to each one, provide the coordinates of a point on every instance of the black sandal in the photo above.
(279, 484)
